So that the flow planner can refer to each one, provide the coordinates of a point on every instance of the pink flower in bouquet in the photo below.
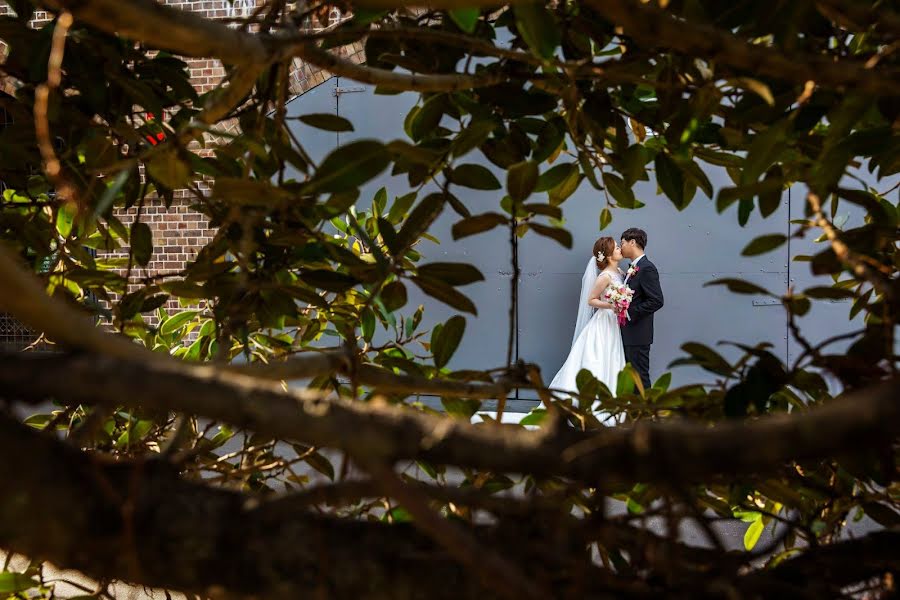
(620, 298)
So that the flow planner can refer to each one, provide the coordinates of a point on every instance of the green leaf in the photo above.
(393, 295)
(751, 536)
(472, 136)
(828, 293)
(474, 176)
(184, 289)
(695, 174)
(13, 583)
(446, 294)
(770, 200)
(767, 187)
(798, 304)
(620, 190)
(521, 179)
(477, 224)
(321, 464)
(763, 244)
(461, 408)
(739, 286)
(327, 121)
(762, 153)
(535, 417)
(662, 384)
(420, 219)
(141, 243)
(167, 168)
(112, 191)
(625, 382)
(745, 207)
(708, 358)
(670, 179)
(562, 236)
(428, 117)
(548, 210)
(364, 16)
(349, 167)
(634, 160)
(177, 321)
(400, 207)
(451, 273)
(554, 176)
(367, 324)
(538, 28)
(860, 304)
(417, 155)
(465, 18)
(605, 218)
(566, 188)
(445, 340)
(65, 218)
(882, 514)
(331, 281)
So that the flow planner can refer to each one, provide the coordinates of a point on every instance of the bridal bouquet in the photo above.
(620, 297)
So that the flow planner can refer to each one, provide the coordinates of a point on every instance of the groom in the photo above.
(643, 278)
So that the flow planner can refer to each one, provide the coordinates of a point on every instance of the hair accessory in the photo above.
(601, 256)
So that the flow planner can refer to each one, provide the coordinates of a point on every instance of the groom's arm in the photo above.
(653, 297)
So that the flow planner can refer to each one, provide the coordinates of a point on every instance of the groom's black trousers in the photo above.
(639, 357)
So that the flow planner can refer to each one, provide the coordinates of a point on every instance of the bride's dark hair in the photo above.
(607, 246)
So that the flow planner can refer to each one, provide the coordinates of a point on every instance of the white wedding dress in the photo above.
(597, 343)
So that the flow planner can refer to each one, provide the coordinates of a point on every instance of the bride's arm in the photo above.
(597, 292)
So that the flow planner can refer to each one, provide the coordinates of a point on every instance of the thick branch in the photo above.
(660, 452)
(658, 28)
(882, 18)
(189, 34)
(141, 523)
(167, 28)
(342, 67)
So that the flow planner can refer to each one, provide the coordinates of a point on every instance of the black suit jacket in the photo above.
(648, 298)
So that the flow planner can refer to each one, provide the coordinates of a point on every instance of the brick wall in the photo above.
(178, 232)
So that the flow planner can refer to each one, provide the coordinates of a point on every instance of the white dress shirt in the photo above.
(633, 264)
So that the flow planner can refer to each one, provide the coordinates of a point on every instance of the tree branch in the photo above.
(881, 282)
(140, 522)
(647, 452)
(882, 19)
(656, 27)
(383, 78)
(189, 34)
(167, 28)
(220, 103)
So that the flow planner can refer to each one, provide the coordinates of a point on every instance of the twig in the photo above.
(844, 254)
(64, 189)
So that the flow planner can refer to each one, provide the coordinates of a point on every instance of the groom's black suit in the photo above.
(637, 333)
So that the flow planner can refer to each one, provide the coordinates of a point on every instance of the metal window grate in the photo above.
(14, 336)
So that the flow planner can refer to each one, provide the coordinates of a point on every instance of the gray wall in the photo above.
(689, 248)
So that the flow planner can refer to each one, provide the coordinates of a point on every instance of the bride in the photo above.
(597, 343)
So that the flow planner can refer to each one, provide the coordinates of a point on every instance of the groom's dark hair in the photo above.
(638, 235)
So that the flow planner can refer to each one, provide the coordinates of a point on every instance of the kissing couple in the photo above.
(615, 314)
